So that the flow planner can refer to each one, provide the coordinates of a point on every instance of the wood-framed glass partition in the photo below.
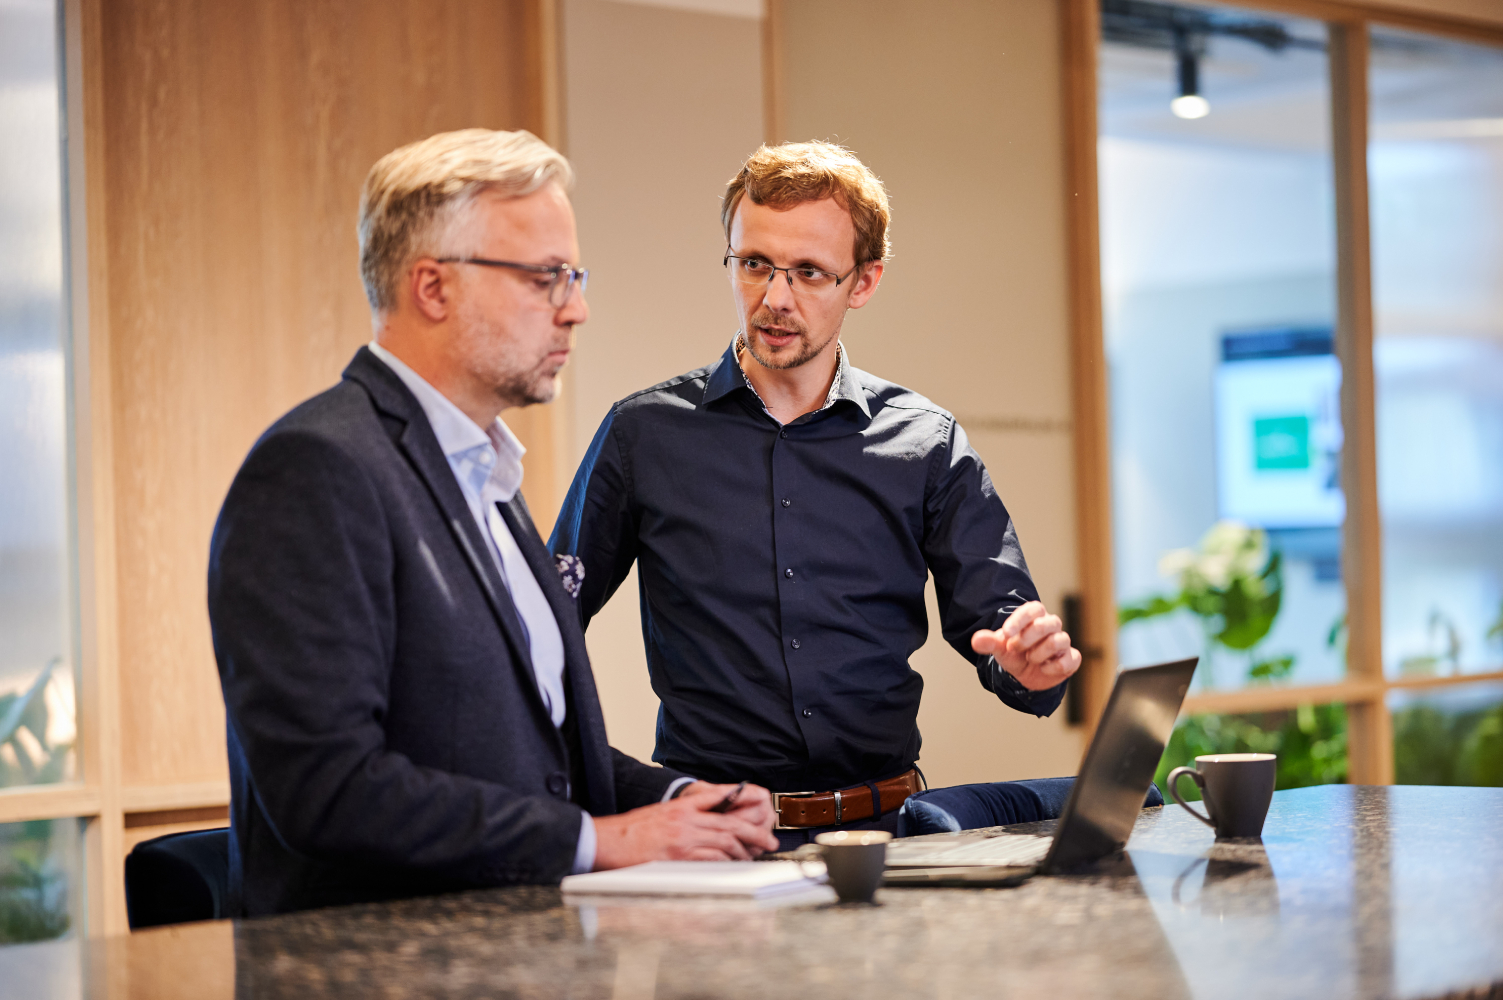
(1294, 328)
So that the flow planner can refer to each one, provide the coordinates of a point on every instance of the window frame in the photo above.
(1365, 690)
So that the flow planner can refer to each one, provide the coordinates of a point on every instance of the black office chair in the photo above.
(178, 878)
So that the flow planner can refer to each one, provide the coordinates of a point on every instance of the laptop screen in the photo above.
(1119, 766)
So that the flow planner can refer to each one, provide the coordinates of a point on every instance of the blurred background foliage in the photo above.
(1234, 587)
(1233, 584)
(1310, 742)
(33, 887)
(1432, 746)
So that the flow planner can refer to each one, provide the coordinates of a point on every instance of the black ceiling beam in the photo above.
(1174, 28)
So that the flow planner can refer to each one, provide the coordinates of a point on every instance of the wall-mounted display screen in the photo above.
(1278, 429)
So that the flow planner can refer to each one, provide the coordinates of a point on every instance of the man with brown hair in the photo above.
(408, 701)
(784, 510)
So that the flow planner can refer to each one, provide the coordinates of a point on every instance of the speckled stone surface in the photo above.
(1353, 892)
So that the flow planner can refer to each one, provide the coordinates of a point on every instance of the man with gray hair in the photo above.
(409, 703)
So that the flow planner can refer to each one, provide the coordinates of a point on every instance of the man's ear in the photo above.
(428, 283)
(866, 284)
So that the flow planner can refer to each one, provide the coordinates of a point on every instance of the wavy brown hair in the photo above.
(796, 172)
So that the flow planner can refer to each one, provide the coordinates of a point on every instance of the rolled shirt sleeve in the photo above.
(980, 576)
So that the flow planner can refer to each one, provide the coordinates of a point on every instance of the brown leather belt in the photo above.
(801, 810)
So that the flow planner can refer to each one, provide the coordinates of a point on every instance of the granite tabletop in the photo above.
(1352, 892)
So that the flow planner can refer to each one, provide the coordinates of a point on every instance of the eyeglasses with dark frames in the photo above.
(805, 278)
(559, 289)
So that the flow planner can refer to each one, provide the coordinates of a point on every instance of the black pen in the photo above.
(725, 804)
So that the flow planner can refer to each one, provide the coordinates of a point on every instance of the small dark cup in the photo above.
(1236, 788)
(854, 860)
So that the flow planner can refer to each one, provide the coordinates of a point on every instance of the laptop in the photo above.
(1099, 815)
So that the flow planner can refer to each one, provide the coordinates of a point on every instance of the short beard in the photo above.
(807, 351)
(512, 386)
(524, 389)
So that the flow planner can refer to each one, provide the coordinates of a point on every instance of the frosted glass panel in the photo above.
(37, 717)
(1218, 263)
(1436, 181)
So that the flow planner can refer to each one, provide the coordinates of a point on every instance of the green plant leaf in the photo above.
(1151, 608)
(1337, 632)
(1250, 606)
(1496, 631)
(1275, 669)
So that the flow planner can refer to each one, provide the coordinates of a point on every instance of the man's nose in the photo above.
(779, 294)
(575, 309)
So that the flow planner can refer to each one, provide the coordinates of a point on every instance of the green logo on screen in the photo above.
(1281, 442)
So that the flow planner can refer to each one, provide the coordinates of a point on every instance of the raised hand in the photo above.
(1032, 646)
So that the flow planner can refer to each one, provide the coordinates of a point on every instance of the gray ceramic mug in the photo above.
(1236, 788)
(855, 860)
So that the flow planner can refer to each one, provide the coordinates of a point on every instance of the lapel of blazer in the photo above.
(421, 447)
(584, 701)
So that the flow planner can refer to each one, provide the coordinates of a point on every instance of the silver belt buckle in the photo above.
(777, 813)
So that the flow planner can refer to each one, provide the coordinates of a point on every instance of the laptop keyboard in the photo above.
(1012, 849)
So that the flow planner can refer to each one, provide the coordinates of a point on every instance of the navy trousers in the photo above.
(964, 807)
(1000, 803)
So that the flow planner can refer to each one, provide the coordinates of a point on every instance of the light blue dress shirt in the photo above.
(488, 466)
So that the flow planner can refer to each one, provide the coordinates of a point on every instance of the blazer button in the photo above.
(788, 573)
(808, 713)
(787, 502)
(557, 783)
(794, 644)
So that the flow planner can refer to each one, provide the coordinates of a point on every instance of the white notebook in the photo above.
(748, 879)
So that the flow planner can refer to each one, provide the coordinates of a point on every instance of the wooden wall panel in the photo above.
(236, 138)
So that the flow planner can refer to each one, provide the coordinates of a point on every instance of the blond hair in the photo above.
(413, 196)
(796, 172)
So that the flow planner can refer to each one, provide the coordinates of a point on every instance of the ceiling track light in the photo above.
(1153, 24)
(1189, 103)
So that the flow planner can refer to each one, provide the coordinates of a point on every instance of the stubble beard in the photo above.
(494, 363)
(806, 350)
(518, 387)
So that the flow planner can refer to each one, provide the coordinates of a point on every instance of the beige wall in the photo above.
(661, 106)
(957, 106)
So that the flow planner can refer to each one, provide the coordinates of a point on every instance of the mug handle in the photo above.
(1200, 782)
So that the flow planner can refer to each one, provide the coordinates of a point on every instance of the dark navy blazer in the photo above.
(386, 733)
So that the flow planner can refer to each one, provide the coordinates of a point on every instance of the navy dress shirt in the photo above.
(782, 570)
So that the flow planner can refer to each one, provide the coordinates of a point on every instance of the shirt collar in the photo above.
(462, 440)
(729, 375)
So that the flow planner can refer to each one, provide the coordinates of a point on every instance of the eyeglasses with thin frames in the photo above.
(559, 289)
(804, 278)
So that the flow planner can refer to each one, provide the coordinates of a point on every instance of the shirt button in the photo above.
(782, 434)
(557, 783)
(787, 502)
(794, 644)
(808, 713)
(788, 573)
